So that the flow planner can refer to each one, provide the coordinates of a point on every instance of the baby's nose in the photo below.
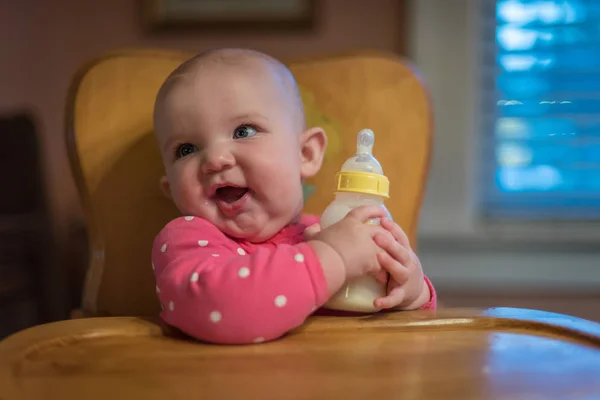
(217, 160)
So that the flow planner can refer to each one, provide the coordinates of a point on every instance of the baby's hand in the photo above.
(407, 289)
(311, 231)
(352, 240)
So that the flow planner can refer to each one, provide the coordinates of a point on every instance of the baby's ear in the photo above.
(165, 187)
(313, 143)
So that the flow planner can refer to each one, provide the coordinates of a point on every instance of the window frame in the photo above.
(464, 218)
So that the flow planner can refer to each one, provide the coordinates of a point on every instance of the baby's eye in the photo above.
(184, 150)
(244, 131)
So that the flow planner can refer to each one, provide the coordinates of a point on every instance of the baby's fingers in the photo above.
(397, 271)
(311, 231)
(393, 248)
(365, 213)
(394, 298)
(396, 231)
(381, 276)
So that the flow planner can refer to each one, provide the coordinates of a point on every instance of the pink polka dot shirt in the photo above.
(221, 290)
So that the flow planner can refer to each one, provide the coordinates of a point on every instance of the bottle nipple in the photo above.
(363, 160)
(365, 141)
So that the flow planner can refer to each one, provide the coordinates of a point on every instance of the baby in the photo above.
(243, 265)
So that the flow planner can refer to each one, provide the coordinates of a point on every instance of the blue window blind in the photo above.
(541, 110)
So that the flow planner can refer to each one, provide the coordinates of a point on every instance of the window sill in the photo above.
(484, 264)
(516, 242)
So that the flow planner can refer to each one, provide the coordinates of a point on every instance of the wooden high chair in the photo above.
(121, 350)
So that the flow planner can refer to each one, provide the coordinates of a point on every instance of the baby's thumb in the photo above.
(311, 231)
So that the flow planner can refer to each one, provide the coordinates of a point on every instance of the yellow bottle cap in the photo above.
(363, 182)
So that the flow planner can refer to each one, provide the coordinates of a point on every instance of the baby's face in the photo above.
(231, 150)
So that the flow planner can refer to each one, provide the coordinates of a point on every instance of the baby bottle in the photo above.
(359, 182)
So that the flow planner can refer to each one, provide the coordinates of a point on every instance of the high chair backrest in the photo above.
(117, 165)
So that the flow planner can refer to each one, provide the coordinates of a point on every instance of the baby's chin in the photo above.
(251, 231)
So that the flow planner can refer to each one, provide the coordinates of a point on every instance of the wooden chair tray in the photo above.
(500, 353)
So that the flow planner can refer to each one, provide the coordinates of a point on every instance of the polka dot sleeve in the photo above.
(216, 290)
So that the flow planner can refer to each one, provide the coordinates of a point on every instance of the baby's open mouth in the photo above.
(230, 194)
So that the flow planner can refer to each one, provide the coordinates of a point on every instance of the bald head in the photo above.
(227, 56)
(244, 60)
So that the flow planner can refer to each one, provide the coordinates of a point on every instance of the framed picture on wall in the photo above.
(228, 14)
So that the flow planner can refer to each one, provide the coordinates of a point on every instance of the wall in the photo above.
(49, 40)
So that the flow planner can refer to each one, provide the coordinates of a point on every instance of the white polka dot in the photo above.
(153, 267)
(259, 339)
(161, 307)
(157, 289)
(241, 251)
(280, 300)
(202, 243)
(313, 309)
(299, 257)
(215, 316)
(244, 272)
(215, 255)
(194, 277)
(163, 248)
(171, 306)
(188, 218)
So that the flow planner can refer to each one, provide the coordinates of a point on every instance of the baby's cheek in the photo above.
(188, 197)
(284, 190)
(280, 178)
(289, 199)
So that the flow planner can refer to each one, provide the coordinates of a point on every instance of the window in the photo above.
(541, 110)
